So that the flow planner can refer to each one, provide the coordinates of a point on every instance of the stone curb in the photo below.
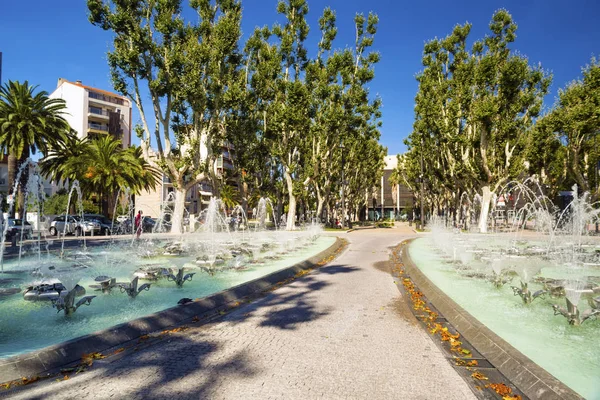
(51, 358)
(527, 376)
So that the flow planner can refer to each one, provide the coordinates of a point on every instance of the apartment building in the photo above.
(95, 112)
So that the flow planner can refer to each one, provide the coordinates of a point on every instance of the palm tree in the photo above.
(56, 163)
(229, 197)
(28, 122)
(104, 168)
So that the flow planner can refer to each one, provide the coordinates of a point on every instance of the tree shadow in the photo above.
(181, 357)
(337, 269)
(191, 364)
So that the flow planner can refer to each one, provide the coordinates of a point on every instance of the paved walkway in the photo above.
(341, 332)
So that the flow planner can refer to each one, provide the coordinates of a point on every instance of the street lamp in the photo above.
(341, 147)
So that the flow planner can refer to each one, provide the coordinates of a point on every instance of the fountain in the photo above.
(552, 254)
(105, 283)
(223, 257)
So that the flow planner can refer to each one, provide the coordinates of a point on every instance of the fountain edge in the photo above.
(534, 381)
(49, 360)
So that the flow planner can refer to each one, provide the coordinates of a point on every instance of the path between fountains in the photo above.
(342, 331)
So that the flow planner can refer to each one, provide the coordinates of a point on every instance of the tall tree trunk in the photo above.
(244, 195)
(177, 218)
(20, 204)
(320, 203)
(486, 199)
(291, 223)
(12, 171)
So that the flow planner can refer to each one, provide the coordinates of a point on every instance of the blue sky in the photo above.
(43, 40)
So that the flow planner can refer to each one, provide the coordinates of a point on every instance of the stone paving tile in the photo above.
(336, 333)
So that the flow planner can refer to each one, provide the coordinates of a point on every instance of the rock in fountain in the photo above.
(50, 291)
(67, 303)
(150, 272)
(105, 283)
(179, 279)
(175, 249)
(132, 289)
(5, 292)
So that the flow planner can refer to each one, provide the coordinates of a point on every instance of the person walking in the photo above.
(138, 224)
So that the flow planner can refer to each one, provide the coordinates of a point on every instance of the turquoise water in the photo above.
(570, 353)
(27, 326)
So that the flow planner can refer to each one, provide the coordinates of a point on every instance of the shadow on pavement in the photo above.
(163, 369)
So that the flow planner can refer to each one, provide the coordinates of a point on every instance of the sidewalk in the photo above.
(342, 331)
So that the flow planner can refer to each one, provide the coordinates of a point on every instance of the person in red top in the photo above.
(138, 224)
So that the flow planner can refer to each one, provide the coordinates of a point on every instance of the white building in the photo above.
(95, 112)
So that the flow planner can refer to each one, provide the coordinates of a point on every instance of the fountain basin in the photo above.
(55, 356)
(541, 354)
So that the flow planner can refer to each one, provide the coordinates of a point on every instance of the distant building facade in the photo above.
(95, 112)
(389, 201)
(153, 203)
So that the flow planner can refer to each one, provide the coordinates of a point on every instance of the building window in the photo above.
(96, 110)
(103, 97)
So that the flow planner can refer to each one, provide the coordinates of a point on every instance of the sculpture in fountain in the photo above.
(501, 278)
(132, 289)
(572, 314)
(525, 272)
(67, 303)
(527, 295)
(180, 278)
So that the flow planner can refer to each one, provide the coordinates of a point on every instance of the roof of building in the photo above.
(391, 162)
(78, 83)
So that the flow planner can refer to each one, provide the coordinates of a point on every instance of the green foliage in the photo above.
(574, 122)
(101, 166)
(28, 122)
(188, 70)
(474, 113)
(57, 204)
(229, 196)
(283, 111)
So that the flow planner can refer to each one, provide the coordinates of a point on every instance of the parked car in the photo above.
(148, 225)
(18, 228)
(106, 225)
(73, 224)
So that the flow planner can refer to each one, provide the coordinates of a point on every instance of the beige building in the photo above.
(389, 200)
(155, 202)
(95, 112)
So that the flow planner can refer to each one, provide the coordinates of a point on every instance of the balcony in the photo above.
(96, 112)
(105, 98)
(97, 128)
